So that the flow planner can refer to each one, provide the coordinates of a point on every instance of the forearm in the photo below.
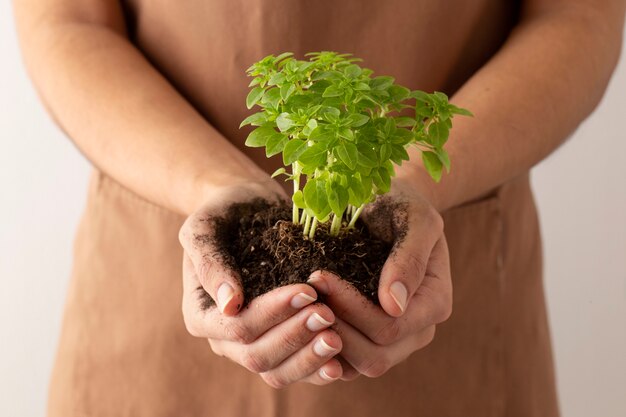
(547, 78)
(127, 119)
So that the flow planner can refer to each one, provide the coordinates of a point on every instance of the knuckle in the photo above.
(239, 333)
(388, 334)
(375, 367)
(253, 363)
(274, 380)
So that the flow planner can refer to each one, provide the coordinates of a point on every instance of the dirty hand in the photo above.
(415, 290)
(281, 335)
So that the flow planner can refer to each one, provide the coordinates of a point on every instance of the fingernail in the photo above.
(323, 349)
(316, 281)
(225, 293)
(315, 323)
(399, 294)
(301, 299)
(325, 376)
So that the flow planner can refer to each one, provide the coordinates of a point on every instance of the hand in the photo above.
(281, 335)
(415, 290)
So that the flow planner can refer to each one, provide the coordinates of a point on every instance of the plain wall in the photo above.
(581, 194)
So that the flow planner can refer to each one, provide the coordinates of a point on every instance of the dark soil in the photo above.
(260, 242)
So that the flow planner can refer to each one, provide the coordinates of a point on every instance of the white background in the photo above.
(581, 192)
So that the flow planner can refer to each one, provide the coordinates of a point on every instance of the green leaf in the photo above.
(381, 83)
(405, 122)
(284, 122)
(254, 96)
(385, 152)
(444, 158)
(279, 171)
(398, 93)
(298, 199)
(293, 150)
(271, 97)
(333, 91)
(348, 154)
(357, 120)
(315, 197)
(352, 71)
(399, 154)
(458, 110)
(260, 136)
(433, 165)
(382, 180)
(275, 144)
(438, 133)
(286, 91)
(337, 197)
(277, 78)
(367, 156)
(256, 119)
(314, 156)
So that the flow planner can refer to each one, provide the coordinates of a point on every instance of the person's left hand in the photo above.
(415, 290)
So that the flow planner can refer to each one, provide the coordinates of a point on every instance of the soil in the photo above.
(261, 243)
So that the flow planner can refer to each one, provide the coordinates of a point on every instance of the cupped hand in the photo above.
(415, 290)
(283, 335)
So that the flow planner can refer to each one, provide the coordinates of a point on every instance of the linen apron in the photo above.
(124, 350)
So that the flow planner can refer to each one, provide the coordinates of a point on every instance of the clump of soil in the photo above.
(260, 242)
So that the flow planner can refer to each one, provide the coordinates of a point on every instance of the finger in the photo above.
(348, 371)
(328, 373)
(280, 342)
(430, 305)
(199, 238)
(409, 260)
(263, 313)
(305, 361)
(373, 360)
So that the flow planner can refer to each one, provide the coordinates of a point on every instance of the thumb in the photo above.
(407, 264)
(213, 266)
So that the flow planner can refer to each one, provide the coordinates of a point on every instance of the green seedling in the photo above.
(343, 131)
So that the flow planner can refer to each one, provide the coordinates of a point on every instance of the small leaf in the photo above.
(357, 120)
(298, 199)
(293, 149)
(286, 91)
(256, 119)
(352, 71)
(314, 156)
(385, 152)
(405, 122)
(275, 144)
(279, 171)
(367, 156)
(444, 158)
(315, 197)
(337, 197)
(254, 96)
(271, 97)
(438, 133)
(399, 154)
(458, 110)
(348, 154)
(381, 83)
(259, 136)
(382, 180)
(284, 122)
(432, 164)
(333, 91)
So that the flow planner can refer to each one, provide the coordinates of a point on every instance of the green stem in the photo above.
(355, 216)
(313, 227)
(335, 226)
(295, 170)
(307, 225)
(303, 217)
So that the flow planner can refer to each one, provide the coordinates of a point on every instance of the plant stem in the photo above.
(335, 227)
(303, 217)
(295, 171)
(355, 216)
(313, 227)
(307, 224)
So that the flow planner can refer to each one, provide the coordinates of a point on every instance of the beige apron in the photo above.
(124, 350)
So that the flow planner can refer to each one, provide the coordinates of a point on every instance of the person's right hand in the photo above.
(282, 335)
